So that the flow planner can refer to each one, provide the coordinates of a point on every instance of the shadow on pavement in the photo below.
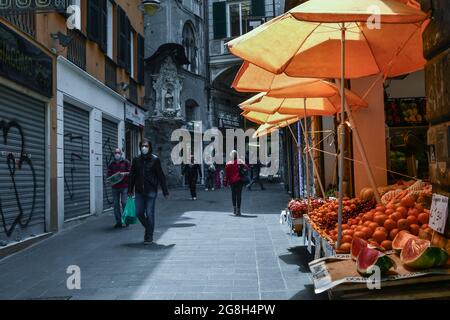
(243, 216)
(180, 225)
(152, 247)
(309, 294)
(298, 256)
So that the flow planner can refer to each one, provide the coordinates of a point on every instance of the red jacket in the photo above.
(232, 171)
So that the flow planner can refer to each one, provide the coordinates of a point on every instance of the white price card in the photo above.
(439, 213)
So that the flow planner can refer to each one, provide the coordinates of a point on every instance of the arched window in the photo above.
(190, 46)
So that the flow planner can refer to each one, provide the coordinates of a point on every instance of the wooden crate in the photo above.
(429, 287)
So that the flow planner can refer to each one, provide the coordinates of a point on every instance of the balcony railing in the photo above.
(133, 91)
(25, 21)
(76, 51)
(110, 74)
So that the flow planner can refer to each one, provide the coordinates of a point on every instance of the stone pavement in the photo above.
(201, 251)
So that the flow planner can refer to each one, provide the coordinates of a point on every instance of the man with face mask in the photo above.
(145, 176)
(121, 167)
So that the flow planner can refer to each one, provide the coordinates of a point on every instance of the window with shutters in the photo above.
(190, 47)
(238, 13)
(140, 62)
(123, 40)
(97, 24)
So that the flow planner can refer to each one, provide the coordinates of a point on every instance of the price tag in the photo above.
(439, 213)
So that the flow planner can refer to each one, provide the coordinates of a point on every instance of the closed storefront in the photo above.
(110, 143)
(76, 162)
(22, 165)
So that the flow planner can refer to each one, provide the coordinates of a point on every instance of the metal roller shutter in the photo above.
(110, 143)
(76, 162)
(22, 178)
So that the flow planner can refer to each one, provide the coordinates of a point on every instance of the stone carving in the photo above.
(168, 87)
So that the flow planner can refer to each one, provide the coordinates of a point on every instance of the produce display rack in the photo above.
(322, 246)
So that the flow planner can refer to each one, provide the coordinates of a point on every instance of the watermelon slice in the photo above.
(357, 245)
(368, 258)
(419, 254)
(401, 239)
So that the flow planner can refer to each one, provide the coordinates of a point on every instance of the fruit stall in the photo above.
(395, 236)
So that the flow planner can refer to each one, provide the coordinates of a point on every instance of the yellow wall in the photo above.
(95, 58)
(371, 126)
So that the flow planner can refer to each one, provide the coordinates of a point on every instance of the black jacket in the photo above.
(192, 171)
(146, 175)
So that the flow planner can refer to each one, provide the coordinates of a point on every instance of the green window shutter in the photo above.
(259, 8)
(220, 19)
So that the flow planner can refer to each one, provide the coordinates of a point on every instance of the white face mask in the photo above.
(117, 157)
(144, 150)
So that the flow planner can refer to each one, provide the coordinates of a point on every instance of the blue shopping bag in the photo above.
(129, 213)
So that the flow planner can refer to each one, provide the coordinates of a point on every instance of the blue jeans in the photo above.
(120, 197)
(145, 211)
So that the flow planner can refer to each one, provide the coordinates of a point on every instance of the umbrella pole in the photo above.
(308, 189)
(316, 171)
(300, 174)
(342, 138)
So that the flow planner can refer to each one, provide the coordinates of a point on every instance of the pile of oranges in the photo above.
(379, 226)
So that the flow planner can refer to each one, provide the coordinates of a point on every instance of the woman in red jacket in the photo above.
(234, 178)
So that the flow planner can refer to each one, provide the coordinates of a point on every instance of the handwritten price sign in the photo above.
(439, 213)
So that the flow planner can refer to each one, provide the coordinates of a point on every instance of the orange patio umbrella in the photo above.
(272, 119)
(301, 107)
(306, 41)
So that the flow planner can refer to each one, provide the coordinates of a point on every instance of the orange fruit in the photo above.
(345, 247)
(368, 231)
(360, 234)
(402, 210)
(396, 216)
(389, 211)
(393, 233)
(407, 202)
(382, 229)
(390, 224)
(419, 208)
(403, 224)
(380, 219)
(386, 244)
(414, 228)
(379, 236)
(347, 239)
(368, 216)
(412, 220)
(348, 232)
(423, 218)
(373, 226)
(413, 212)
(367, 223)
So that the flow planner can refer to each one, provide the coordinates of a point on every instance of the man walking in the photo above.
(256, 176)
(192, 171)
(145, 176)
(121, 168)
(210, 177)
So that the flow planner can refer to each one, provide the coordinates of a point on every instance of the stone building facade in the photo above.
(176, 76)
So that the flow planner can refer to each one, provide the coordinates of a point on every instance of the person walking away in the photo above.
(234, 171)
(192, 171)
(210, 177)
(145, 176)
(256, 176)
(119, 166)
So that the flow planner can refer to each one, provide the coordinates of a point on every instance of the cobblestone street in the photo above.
(201, 251)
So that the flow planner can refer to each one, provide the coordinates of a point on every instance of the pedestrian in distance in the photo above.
(210, 177)
(256, 176)
(192, 172)
(145, 176)
(236, 175)
(120, 169)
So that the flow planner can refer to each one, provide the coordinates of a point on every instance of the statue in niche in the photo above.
(168, 87)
